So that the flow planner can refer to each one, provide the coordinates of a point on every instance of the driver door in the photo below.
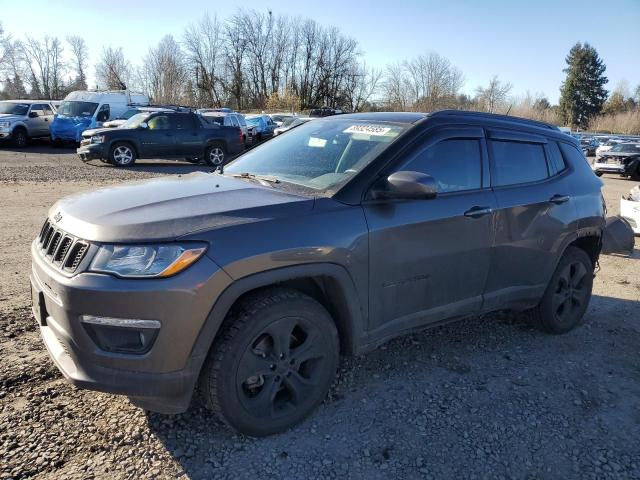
(158, 139)
(429, 259)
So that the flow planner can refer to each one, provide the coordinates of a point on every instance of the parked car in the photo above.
(82, 110)
(279, 118)
(630, 209)
(623, 158)
(121, 120)
(263, 125)
(324, 112)
(290, 123)
(21, 120)
(589, 145)
(606, 146)
(162, 135)
(334, 238)
(230, 119)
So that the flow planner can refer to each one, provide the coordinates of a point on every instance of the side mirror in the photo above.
(144, 125)
(33, 114)
(407, 185)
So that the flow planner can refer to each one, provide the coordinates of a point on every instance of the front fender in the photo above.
(344, 298)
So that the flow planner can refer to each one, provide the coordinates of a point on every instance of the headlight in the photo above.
(97, 139)
(5, 124)
(146, 261)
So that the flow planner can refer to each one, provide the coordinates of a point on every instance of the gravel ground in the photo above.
(484, 398)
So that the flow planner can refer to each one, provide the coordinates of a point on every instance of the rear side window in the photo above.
(572, 154)
(184, 122)
(556, 162)
(517, 162)
(455, 164)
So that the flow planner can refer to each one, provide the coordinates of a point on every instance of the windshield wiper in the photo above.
(252, 176)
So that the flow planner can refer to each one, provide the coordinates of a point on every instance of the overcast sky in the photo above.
(524, 43)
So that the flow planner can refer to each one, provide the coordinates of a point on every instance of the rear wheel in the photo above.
(122, 155)
(272, 364)
(567, 296)
(20, 137)
(215, 155)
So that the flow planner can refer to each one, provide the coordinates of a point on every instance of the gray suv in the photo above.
(248, 284)
(21, 120)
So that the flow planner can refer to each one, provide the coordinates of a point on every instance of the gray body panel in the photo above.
(386, 267)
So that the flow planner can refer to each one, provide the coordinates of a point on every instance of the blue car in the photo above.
(263, 124)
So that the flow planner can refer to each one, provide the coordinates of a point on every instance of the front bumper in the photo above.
(6, 133)
(602, 167)
(161, 379)
(91, 151)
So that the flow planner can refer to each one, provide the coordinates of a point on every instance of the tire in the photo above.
(215, 155)
(598, 174)
(272, 362)
(122, 155)
(20, 138)
(567, 296)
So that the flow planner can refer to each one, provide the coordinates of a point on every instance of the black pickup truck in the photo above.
(162, 135)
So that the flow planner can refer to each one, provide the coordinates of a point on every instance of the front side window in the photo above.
(517, 162)
(455, 164)
(38, 108)
(160, 122)
(321, 155)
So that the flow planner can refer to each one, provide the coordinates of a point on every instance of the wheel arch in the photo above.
(132, 143)
(329, 284)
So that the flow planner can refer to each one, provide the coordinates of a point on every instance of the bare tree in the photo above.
(164, 72)
(80, 54)
(113, 69)
(44, 60)
(205, 47)
(494, 96)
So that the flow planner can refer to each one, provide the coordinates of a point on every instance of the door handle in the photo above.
(558, 199)
(476, 212)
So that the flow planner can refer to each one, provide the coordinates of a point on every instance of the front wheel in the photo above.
(272, 364)
(20, 138)
(567, 295)
(215, 155)
(122, 155)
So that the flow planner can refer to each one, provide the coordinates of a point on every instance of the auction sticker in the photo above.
(368, 129)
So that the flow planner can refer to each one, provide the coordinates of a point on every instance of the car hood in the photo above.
(170, 207)
(96, 131)
(10, 117)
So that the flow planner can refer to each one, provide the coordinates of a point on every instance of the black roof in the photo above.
(397, 117)
(412, 117)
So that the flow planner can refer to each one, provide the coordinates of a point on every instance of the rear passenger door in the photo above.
(535, 214)
(188, 141)
(429, 259)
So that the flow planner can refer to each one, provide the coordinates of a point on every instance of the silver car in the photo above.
(21, 120)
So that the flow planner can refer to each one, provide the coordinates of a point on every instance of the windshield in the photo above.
(129, 113)
(626, 148)
(136, 120)
(71, 108)
(320, 155)
(14, 108)
(280, 118)
(287, 122)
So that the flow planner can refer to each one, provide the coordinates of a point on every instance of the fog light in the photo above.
(121, 335)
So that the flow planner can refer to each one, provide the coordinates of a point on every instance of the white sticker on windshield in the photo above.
(368, 129)
(317, 142)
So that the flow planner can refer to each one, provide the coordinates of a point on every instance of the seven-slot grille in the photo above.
(60, 248)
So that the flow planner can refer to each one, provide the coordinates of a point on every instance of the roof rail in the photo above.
(496, 116)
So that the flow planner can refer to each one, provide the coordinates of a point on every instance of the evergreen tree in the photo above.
(582, 94)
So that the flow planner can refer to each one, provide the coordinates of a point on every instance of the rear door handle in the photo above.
(558, 199)
(475, 212)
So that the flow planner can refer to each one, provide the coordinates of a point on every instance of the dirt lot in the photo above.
(485, 398)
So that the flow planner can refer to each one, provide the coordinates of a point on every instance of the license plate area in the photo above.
(38, 306)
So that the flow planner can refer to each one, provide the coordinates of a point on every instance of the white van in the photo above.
(81, 110)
